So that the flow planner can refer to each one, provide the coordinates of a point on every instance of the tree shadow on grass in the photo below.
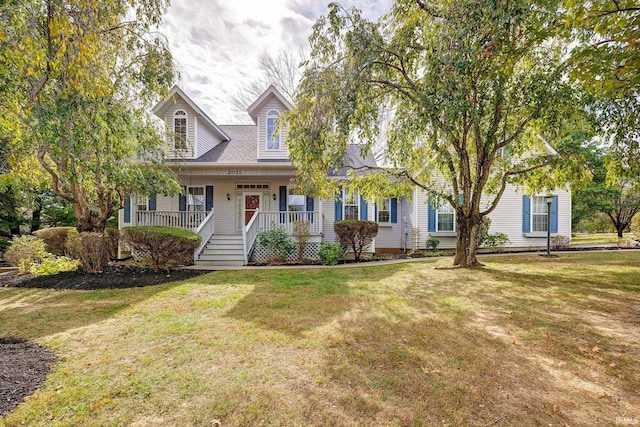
(303, 299)
(35, 313)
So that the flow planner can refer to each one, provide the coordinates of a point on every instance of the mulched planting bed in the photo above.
(113, 277)
(24, 366)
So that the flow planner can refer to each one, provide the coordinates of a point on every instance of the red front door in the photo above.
(251, 204)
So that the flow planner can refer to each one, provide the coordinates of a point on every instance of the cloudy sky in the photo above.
(217, 44)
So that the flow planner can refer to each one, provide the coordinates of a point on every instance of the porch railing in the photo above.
(180, 219)
(269, 220)
(249, 235)
(205, 231)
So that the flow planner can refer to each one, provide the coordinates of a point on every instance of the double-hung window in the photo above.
(273, 137)
(296, 202)
(143, 203)
(180, 130)
(195, 199)
(351, 204)
(539, 214)
(445, 217)
(384, 211)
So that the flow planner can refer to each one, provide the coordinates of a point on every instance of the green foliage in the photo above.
(54, 265)
(464, 85)
(90, 249)
(78, 80)
(162, 247)
(301, 234)
(356, 235)
(330, 253)
(24, 252)
(495, 240)
(278, 243)
(55, 238)
(4, 245)
(432, 243)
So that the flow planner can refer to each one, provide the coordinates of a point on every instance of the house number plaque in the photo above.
(234, 172)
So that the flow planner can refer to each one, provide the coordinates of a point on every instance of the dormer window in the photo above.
(180, 130)
(273, 137)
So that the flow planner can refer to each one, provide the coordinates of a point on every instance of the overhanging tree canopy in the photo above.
(77, 82)
(465, 95)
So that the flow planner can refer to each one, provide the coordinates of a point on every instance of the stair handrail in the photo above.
(205, 230)
(249, 235)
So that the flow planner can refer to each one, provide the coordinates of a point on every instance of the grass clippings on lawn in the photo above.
(523, 341)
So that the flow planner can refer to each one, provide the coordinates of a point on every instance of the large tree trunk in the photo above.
(620, 228)
(467, 245)
(89, 220)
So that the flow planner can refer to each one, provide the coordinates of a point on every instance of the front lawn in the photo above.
(524, 341)
(601, 238)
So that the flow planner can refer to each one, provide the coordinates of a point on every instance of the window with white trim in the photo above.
(445, 217)
(273, 137)
(180, 130)
(539, 214)
(384, 211)
(351, 204)
(143, 203)
(296, 202)
(195, 199)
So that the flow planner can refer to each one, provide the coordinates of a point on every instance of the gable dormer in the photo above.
(189, 131)
(271, 142)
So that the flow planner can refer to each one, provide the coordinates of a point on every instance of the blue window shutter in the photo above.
(364, 209)
(152, 202)
(394, 210)
(127, 209)
(182, 200)
(375, 212)
(208, 198)
(526, 214)
(554, 215)
(310, 208)
(283, 202)
(338, 205)
(431, 220)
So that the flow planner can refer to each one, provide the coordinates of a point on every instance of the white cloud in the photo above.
(217, 44)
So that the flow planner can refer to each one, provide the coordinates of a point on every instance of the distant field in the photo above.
(596, 238)
(525, 340)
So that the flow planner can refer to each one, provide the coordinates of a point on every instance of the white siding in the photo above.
(391, 235)
(272, 103)
(506, 218)
(206, 139)
(191, 129)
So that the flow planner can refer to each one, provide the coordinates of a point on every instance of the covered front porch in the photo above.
(228, 214)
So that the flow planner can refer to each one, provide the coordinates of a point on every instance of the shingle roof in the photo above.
(353, 160)
(241, 147)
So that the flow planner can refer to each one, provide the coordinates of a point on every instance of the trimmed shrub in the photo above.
(90, 249)
(24, 252)
(432, 243)
(330, 253)
(301, 232)
(55, 238)
(112, 240)
(495, 240)
(54, 265)
(356, 235)
(162, 247)
(280, 245)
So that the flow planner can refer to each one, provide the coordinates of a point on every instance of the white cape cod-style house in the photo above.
(236, 182)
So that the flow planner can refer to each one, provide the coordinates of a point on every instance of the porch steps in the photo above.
(222, 250)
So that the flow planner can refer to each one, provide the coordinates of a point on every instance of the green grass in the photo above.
(600, 238)
(525, 340)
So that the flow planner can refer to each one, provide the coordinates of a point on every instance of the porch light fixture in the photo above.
(274, 196)
(548, 199)
(228, 196)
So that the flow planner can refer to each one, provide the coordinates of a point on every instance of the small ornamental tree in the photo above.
(356, 235)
